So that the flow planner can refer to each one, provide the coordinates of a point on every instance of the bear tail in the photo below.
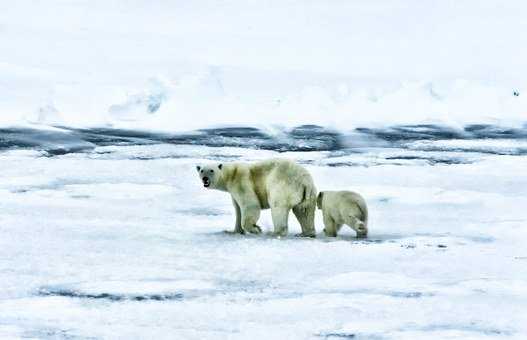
(309, 196)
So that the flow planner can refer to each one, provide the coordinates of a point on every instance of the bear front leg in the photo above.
(249, 216)
(330, 227)
(238, 226)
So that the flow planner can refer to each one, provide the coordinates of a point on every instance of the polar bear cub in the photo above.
(278, 184)
(343, 207)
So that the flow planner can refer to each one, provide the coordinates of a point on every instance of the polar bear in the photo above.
(278, 184)
(343, 207)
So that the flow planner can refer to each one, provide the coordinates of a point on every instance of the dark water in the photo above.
(110, 296)
(64, 140)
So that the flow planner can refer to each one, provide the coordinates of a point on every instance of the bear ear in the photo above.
(198, 168)
(220, 166)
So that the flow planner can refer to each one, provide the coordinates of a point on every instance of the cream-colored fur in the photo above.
(278, 184)
(343, 207)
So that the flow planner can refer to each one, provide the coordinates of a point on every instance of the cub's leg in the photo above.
(359, 226)
(330, 227)
(280, 216)
(306, 217)
(249, 216)
(238, 226)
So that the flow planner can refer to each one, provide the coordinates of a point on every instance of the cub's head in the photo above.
(210, 174)
(320, 197)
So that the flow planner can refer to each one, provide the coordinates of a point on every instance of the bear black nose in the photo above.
(206, 179)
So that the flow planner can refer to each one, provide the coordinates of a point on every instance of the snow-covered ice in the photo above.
(106, 107)
(123, 241)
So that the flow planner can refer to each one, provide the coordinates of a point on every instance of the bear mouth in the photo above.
(206, 184)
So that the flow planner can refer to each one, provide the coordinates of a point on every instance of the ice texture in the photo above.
(122, 241)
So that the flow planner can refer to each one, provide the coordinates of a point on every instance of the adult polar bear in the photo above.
(278, 184)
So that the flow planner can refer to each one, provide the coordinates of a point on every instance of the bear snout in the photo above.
(206, 182)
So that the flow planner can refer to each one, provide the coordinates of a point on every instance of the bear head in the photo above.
(210, 174)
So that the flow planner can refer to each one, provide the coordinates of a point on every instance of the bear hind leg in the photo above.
(306, 217)
(359, 226)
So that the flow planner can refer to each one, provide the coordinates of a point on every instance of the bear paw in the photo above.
(255, 230)
(306, 235)
(234, 232)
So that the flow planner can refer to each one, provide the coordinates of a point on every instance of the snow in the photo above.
(104, 244)
(174, 66)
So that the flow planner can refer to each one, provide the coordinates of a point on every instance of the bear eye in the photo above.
(212, 171)
(201, 171)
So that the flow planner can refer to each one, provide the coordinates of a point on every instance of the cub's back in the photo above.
(341, 202)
